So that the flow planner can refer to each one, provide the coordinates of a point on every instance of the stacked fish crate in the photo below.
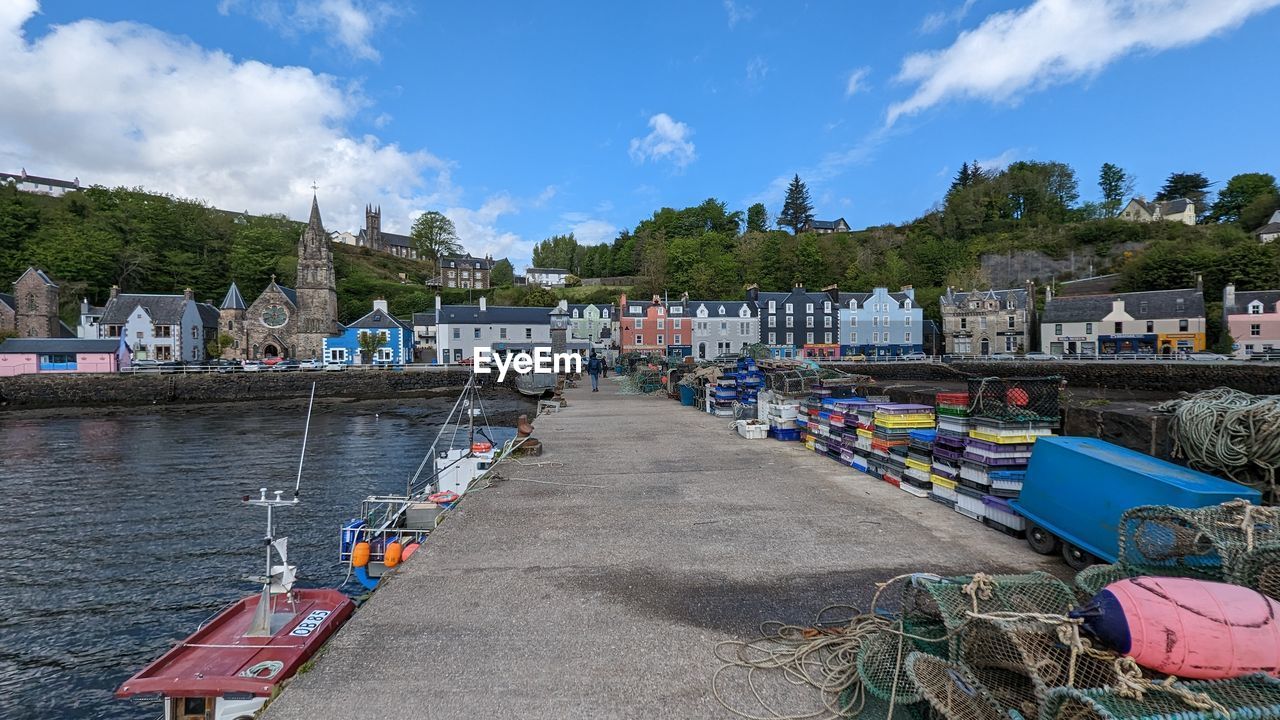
(722, 397)
(749, 382)
(844, 426)
(863, 424)
(782, 414)
(892, 434)
(1006, 417)
(948, 446)
(918, 479)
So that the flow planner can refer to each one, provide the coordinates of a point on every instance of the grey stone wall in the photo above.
(45, 391)
(1170, 377)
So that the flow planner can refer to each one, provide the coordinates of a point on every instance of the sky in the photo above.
(523, 120)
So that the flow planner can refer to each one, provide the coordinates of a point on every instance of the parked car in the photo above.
(853, 358)
(253, 366)
(285, 366)
(310, 364)
(172, 366)
(1204, 356)
(1043, 356)
(915, 356)
(144, 366)
(333, 366)
(226, 366)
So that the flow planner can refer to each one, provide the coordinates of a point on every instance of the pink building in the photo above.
(23, 356)
(1253, 319)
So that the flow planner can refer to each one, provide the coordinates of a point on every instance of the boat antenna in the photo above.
(306, 430)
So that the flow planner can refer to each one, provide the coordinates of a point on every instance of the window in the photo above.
(724, 326)
(773, 306)
(885, 321)
(773, 321)
(875, 321)
(790, 340)
(826, 337)
(906, 338)
(502, 333)
(660, 340)
(194, 329)
(457, 333)
(661, 324)
(1057, 328)
(826, 321)
(604, 313)
(1009, 344)
(773, 339)
(744, 328)
(906, 321)
(528, 333)
(789, 309)
(808, 307)
(853, 321)
(1011, 321)
(826, 306)
(853, 304)
(808, 321)
(639, 323)
(1142, 307)
(853, 340)
(1182, 325)
(385, 335)
(875, 338)
(31, 302)
(639, 339)
(1255, 330)
(1179, 304)
(675, 324)
(575, 313)
(661, 312)
(906, 304)
(675, 339)
(1151, 326)
(636, 309)
(791, 321)
(808, 338)
(477, 333)
(1255, 308)
(982, 323)
(1119, 327)
(1088, 328)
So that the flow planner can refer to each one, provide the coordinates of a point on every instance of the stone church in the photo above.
(287, 322)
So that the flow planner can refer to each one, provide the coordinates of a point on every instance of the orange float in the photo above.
(360, 555)
(409, 550)
(391, 557)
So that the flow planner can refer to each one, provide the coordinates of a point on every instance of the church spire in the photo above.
(313, 224)
(233, 300)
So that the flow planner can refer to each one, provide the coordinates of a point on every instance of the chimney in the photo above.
(484, 303)
(753, 292)
(1048, 294)
(84, 306)
(909, 290)
(437, 303)
(832, 292)
(380, 304)
(1199, 284)
(563, 305)
(1229, 298)
(188, 294)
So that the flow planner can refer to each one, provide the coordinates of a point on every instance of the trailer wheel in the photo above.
(1041, 540)
(1076, 558)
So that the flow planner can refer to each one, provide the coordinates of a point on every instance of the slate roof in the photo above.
(731, 308)
(1173, 207)
(59, 345)
(40, 274)
(582, 308)
(495, 315)
(457, 261)
(163, 309)
(24, 177)
(396, 239)
(1018, 295)
(424, 318)
(376, 318)
(289, 293)
(7, 299)
(826, 224)
(781, 297)
(233, 300)
(863, 297)
(1160, 304)
(1267, 229)
(643, 303)
(1268, 298)
(208, 314)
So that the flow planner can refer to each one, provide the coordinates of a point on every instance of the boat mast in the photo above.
(261, 625)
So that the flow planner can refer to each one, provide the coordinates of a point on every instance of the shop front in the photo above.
(1073, 345)
(1181, 342)
(821, 352)
(1128, 344)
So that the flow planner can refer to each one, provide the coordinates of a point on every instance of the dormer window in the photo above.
(1180, 303)
(853, 304)
(1255, 308)
(826, 306)
(906, 304)
(721, 310)
(575, 313)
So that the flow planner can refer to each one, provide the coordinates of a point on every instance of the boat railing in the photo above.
(379, 540)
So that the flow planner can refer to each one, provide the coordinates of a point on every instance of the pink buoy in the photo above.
(1186, 627)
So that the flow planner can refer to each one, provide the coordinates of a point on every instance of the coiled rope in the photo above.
(1229, 432)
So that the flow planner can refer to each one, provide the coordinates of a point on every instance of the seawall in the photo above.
(50, 391)
(1163, 377)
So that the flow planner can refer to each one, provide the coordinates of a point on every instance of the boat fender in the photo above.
(1187, 627)
(362, 576)
(409, 550)
(360, 555)
(445, 499)
(392, 557)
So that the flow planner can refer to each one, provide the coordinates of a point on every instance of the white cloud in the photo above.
(1001, 161)
(479, 232)
(1055, 41)
(126, 104)
(757, 70)
(588, 230)
(668, 140)
(856, 82)
(738, 13)
(831, 166)
(935, 21)
(349, 24)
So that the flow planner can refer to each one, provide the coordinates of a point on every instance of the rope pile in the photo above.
(1229, 432)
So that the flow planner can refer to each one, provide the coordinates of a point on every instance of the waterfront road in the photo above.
(602, 596)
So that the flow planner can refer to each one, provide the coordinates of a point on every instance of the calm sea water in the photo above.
(121, 531)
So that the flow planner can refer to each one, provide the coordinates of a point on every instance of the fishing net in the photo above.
(951, 690)
(1229, 432)
(1015, 399)
(1252, 697)
(1210, 542)
(1095, 577)
(1259, 569)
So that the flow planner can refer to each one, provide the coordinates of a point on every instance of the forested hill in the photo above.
(97, 237)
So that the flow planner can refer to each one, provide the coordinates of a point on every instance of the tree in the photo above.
(434, 236)
(1116, 185)
(502, 274)
(757, 218)
(797, 209)
(1192, 186)
(370, 341)
(539, 297)
(1240, 191)
(557, 251)
(218, 344)
(1257, 213)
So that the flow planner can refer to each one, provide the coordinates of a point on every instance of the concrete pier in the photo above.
(594, 582)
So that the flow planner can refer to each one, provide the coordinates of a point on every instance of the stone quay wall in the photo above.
(49, 391)
(1170, 377)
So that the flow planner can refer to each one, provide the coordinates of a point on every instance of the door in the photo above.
(986, 346)
(702, 351)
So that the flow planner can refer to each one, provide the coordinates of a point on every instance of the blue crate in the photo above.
(786, 434)
(1077, 488)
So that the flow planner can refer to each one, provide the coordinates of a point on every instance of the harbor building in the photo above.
(655, 327)
(1253, 320)
(464, 271)
(32, 309)
(881, 323)
(798, 322)
(1142, 323)
(396, 338)
(28, 355)
(721, 327)
(460, 329)
(160, 327)
(590, 322)
(988, 322)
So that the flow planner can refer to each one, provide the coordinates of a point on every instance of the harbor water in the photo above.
(123, 530)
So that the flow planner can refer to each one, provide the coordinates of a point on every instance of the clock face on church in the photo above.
(274, 316)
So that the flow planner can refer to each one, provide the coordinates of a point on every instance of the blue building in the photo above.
(881, 323)
(397, 340)
(798, 322)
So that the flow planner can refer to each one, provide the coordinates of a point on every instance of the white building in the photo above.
(1144, 323)
(160, 327)
(90, 317)
(1139, 210)
(39, 185)
(460, 329)
(723, 327)
(546, 277)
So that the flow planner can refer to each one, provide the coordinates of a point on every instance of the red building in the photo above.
(653, 326)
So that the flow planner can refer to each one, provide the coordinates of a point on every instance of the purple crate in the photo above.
(946, 454)
(999, 447)
(1013, 462)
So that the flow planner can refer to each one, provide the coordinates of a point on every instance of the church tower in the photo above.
(231, 316)
(373, 227)
(316, 288)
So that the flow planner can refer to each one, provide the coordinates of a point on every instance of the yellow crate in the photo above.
(1002, 439)
(863, 432)
(942, 482)
(924, 466)
(809, 442)
(913, 420)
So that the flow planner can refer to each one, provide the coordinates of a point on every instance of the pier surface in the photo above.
(595, 581)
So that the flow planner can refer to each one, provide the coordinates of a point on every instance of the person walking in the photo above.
(593, 369)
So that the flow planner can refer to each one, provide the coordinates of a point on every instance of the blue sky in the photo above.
(520, 121)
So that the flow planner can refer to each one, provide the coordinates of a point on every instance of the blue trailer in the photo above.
(1077, 488)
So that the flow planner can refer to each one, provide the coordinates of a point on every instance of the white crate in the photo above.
(752, 429)
(972, 506)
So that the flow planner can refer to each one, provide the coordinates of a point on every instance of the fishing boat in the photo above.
(232, 664)
(391, 528)
(536, 384)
